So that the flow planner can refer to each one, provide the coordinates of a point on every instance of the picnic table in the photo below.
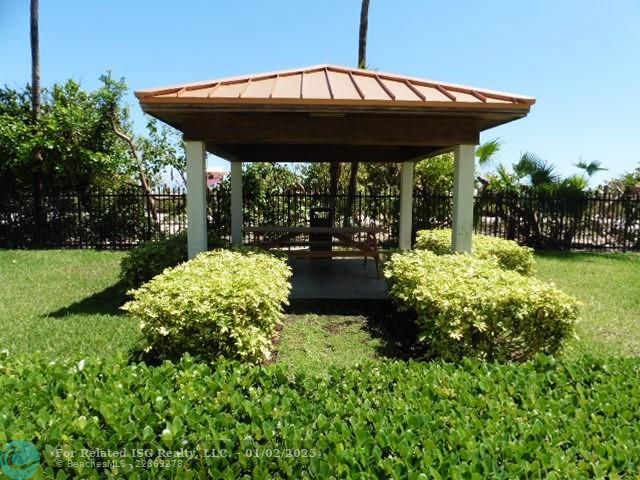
(271, 237)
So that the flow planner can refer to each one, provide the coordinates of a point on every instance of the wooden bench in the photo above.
(287, 237)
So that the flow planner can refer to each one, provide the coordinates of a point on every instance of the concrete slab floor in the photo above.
(337, 278)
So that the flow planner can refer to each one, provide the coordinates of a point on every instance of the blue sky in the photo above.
(579, 58)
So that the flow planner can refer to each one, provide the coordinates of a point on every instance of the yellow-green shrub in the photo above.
(220, 303)
(509, 254)
(149, 259)
(466, 306)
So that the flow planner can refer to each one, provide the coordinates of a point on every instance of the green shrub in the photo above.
(540, 419)
(220, 303)
(509, 254)
(150, 259)
(467, 306)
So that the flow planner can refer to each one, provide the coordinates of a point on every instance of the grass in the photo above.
(65, 304)
(311, 342)
(608, 285)
(318, 335)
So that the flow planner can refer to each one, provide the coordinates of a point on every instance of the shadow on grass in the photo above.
(396, 331)
(104, 302)
(574, 256)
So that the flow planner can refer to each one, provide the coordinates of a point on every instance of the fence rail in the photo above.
(123, 219)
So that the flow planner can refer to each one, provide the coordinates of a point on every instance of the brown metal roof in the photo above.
(330, 113)
(334, 85)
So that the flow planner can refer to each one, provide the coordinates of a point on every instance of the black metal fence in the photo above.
(123, 219)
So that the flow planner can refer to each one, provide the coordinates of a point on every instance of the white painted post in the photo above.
(236, 203)
(196, 198)
(463, 185)
(406, 204)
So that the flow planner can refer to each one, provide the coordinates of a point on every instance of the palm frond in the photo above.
(574, 183)
(539, 171)
(590, 168)
(487, 151)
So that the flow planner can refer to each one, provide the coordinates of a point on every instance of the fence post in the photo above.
(625, 209)
(37, 211)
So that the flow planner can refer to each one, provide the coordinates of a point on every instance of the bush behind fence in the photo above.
(123, 219)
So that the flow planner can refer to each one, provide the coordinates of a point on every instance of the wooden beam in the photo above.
(355, 85)
(318, 153)
(244, 89)
(385, 88)
(326, 76)
(273, 87)
(213, 90)
(302, 84)
(479, 96)
(446, 92)
(222, 152)
(372, 130)
(413, 88)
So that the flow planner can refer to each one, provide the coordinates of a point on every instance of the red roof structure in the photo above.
(330, 113)
(335, 85)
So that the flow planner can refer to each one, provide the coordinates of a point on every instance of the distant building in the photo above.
(215, 176)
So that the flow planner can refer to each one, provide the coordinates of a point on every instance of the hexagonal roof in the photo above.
(334, 85)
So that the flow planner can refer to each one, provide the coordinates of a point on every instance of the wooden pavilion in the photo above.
(328, 113)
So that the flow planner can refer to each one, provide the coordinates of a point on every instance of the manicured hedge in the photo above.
(467, 306)
(540, 419)
(220, 303)
(508, 253)
(146, 261)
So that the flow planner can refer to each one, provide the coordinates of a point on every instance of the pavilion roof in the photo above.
(330, 113)
(331, 85)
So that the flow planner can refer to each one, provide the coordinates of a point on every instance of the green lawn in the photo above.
(609, 287)
(64, 303)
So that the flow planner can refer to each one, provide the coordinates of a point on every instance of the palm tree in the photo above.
(538, 171)
(362, 63)
(487, 151)
(35, 61)
(590, 168)
(35, 113)
(362, 38)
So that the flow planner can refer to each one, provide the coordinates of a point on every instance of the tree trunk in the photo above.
(35, 115)
(362, 63)
(35, 62)
(362, 40)
(142, 174)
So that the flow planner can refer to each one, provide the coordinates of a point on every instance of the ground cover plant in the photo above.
(575, 417)
(222, 302)
(540, 419)
(508, 253)
(467, 306)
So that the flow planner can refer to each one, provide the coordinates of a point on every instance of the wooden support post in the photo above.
(236, 203)
(406, 204)
(196, 198)
(463, 186)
